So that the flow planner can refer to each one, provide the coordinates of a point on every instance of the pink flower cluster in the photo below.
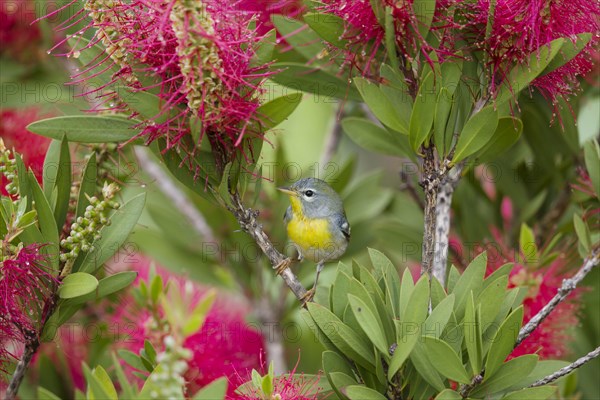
(196, 58)
(519, 28)
(19, 39)
(25, 285)
(522, 27)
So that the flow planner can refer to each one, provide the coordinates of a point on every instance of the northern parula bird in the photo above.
(316, 224)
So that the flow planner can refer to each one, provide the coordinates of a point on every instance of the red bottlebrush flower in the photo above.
(522, 27)
(19, 39)
(225, 345)
(25, 284)
(551, 338)
(196, 56)
(364, 35)
(30, 146)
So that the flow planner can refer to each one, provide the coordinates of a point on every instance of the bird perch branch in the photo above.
(568, 369)
(568, 285)
(248, 220)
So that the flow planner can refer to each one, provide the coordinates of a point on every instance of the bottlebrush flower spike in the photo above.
(25, 284)
(197, 56)
(522, 27)
(551, 339)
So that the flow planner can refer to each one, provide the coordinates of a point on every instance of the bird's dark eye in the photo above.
(309, 193)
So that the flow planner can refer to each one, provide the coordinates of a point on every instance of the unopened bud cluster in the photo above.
(8, 168)
(173, 364)
(86, 229)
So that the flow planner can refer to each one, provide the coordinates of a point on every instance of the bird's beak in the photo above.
(287, 191)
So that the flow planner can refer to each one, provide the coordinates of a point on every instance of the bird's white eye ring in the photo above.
(309, 193)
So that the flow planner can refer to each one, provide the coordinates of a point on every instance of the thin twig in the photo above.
(31, 346)
(568, 285)
(442, 218)
(568, 369)
(408, 186)
(333, 141)
(180, 200)
(247, 219)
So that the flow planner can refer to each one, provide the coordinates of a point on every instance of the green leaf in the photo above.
(77, 284)
(343, 337)
(569, 50)
(106, 286)
(472, 330)
(443, 106)
(46, 221)
(333, 362)
(328, 26)
(407, 286)
(423, 112)
(339, 380)
(115, 234)
(470, 280)
(127, 390)
(591, 152)
(132, 359)
(439, 317)
(390, 38)
(503, 342)
(490, 299)
(370, 136)
(411, 320)
(86, 128)
(380, 105)
(88, 185)
(26, 219)
(527, 244)
(522, 74)
(507, 133)
(278, 110)
(506, 375)
(198, 315)
(148, 105)
(445, 360)
(536, 393)
(305, 41)
(360, 392)
(583, 233)
(477, 132)
(263, 51)
(313, 80)
(424, 10)
(62, 184)
(44, 394)
(448, 394)
(267, 384)
(424, 367)
(369, 324)
(215, 390)
(542, 369)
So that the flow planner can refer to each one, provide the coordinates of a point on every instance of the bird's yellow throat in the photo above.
(308, 233)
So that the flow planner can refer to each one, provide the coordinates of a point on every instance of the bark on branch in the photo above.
(568, 369)
(568, 285)
(248, 220)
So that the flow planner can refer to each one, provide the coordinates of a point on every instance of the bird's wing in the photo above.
(343, 224)
(288, 215)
